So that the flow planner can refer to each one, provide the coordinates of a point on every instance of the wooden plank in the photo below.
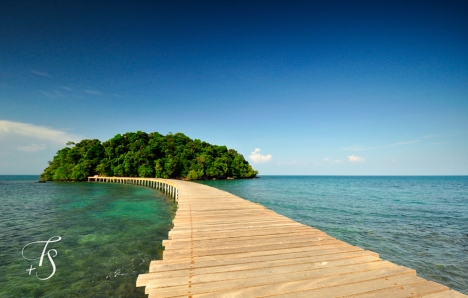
(292, 283)
(179, 243)
(348, 289)
(245, 228)
(340, 286)
(247, 232)
(238, 250)
(269, 276)
(445, 294)
(233, 242)
(277, 253)
(409, 290)
(236, 234)
(253, 268)
(161, 265)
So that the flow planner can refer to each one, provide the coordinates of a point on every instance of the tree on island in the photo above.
(138, 154)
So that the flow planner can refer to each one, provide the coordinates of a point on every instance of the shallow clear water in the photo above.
(418, 222)
(110, 233)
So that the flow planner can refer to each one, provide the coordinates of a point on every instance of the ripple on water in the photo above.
(110, 233)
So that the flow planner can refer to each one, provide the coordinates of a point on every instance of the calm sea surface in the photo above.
(109, 234)
(418, 222)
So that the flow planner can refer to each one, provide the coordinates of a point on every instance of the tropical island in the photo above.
(138, 154)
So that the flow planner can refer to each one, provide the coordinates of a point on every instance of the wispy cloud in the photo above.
(67, 88)
(32, 148)
(432, 136)
(403, 143)
(331, 161)
(35, 132)
(357, 148)
(256, 157)
(53, 94)
(356, 159)
(41, 73)
(92, 92)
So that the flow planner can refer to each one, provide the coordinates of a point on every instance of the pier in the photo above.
(224, 246)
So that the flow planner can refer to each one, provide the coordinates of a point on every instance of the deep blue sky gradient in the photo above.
(309, 82)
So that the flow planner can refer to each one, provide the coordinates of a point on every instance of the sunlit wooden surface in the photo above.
(224, 246)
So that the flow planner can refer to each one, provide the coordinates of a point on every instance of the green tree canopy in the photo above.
(138, 154)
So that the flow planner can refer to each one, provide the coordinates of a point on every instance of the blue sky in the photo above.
(319, 87)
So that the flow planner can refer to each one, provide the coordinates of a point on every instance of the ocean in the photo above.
(109, 233)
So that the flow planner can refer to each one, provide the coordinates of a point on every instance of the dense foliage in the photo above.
(147, 155)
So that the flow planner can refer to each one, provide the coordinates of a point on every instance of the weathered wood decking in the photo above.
(224, 246)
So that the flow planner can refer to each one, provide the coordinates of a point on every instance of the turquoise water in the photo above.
(109, 234)
(418, 222)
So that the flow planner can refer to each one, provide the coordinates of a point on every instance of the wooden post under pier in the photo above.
(161, 184)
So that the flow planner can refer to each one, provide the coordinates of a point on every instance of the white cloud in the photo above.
(403, 143)
(41, 73)
(93, 92)
(32, 148)
(10, 128)
(256, 157)
(356, 159)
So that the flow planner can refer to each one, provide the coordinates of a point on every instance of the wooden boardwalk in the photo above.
(224, 246)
